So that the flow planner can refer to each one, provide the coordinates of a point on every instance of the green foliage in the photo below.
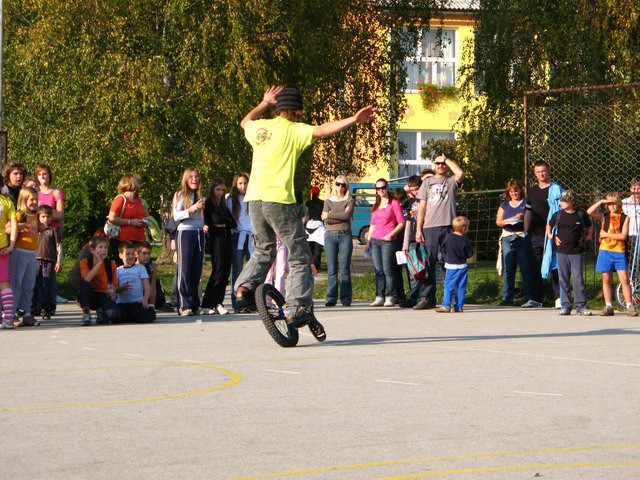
(99, 89)
(432, 95)
(523, 45)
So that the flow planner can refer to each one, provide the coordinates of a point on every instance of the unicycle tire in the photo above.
(269, 302)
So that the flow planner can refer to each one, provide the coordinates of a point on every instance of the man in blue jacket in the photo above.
(542, 203)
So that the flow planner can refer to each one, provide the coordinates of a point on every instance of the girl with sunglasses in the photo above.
(338, 244)
(386, 222)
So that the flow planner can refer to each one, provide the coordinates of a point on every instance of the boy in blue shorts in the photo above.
(612, 255)
(567, 228)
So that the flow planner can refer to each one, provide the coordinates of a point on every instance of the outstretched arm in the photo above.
(331, 128)
(268, 100)
(593, 210)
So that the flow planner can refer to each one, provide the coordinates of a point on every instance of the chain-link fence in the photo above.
(590, 137)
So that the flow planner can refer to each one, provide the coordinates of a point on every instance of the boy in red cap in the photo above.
(277, 145)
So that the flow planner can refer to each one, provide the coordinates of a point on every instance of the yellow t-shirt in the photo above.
(28, 235)
(611, 244)
(277, 144)
(7, 212)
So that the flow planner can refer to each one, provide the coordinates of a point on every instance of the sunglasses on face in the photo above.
(381, 188)
(340, 184)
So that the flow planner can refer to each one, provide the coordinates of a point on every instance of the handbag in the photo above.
(111, 230)
(417, 262)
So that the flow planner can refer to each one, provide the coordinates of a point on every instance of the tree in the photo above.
(98, 89)
(525, 45)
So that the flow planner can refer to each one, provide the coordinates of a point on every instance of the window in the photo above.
(410, 143)
(434, 60)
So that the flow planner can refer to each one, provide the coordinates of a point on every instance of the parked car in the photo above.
(364, 195)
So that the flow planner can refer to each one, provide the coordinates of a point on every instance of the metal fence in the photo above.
(590, 136)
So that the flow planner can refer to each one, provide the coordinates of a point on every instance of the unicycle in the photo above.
(270, 302)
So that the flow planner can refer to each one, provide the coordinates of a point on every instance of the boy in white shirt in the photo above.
(134, 292)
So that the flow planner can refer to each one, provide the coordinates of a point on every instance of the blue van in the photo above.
(364, 195)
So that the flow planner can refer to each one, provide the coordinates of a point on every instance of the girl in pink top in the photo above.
(50, 195)
(386, 222)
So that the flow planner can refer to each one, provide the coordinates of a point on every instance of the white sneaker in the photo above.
(8, 325)
(532, 304)
(60, 299)
(186, 313)
(585, 313)
(379, 301)
(86, 320)
(222, 310)
(388, 302)
(558, 304)
(209, 311)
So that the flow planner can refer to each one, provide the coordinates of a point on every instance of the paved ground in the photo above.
(487, 394)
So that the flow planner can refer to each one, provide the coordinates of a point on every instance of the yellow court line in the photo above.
(435, 459)
(512, 468)
(235, 378)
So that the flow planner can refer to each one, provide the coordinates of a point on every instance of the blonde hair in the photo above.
(185, 192)
(614, 197)
(130, 182)
(23, 198)
(460, 224)
(345, 180)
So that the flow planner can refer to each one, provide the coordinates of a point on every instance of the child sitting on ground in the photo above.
(567, 229)
(134, 291)
(612, 253)
(49, 257)
(98, 284)
(456, 249)
(157, 297)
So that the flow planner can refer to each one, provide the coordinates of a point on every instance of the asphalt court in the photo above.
(495, 393)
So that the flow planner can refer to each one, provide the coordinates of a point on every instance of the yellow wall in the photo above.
(445, 116)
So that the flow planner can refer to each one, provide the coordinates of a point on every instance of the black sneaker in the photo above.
(422, 305)
(407, 304)
(301, 318)
(317, 330)
(506, 303)
(246, 301)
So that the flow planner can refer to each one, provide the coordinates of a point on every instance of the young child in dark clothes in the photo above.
(49, 256)
(456, 248)
(567, 229)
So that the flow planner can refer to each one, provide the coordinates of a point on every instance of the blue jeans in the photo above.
(514, 255)
(92, 300)
(455, 283)
(338, 246)
(384, 263)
